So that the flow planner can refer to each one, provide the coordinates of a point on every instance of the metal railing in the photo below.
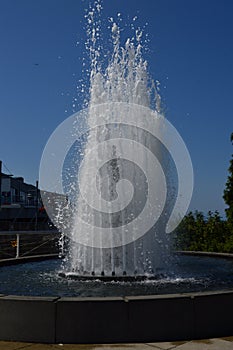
(26, 243)
(7, 225)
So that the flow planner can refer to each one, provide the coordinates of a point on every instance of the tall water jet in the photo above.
(128, 192)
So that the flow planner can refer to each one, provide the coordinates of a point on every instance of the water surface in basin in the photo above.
(189, 274)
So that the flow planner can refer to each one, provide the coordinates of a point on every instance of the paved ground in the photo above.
(207, 344)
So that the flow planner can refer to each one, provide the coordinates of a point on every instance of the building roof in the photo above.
(18, 183)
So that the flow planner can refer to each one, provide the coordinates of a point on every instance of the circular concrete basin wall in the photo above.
(108, 320)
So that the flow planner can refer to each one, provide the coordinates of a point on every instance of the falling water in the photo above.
(112, 188)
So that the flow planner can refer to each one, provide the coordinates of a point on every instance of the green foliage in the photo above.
(228, 192)
(199, 233)
(211, 233)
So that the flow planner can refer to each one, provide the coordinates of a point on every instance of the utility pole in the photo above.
(0, 185)
(37, 199)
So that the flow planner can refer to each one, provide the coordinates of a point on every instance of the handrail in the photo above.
(18, 244)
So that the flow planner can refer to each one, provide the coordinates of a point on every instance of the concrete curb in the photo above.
(109, 320)
(208, 254)
(26, 259)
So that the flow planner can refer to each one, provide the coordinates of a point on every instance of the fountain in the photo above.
(124, 168)
(116, 179)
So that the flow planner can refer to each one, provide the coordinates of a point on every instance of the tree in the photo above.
(185, 233)
(204, 233)
(228, 192)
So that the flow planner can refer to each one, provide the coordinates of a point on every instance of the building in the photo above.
(21, 207)
(14, 191)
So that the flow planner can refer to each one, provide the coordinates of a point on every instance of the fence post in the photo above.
(17, 245)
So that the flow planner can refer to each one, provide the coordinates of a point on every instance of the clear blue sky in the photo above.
(191, 53)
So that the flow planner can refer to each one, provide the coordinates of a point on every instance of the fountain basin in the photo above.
(116, 317)
(187, 274)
